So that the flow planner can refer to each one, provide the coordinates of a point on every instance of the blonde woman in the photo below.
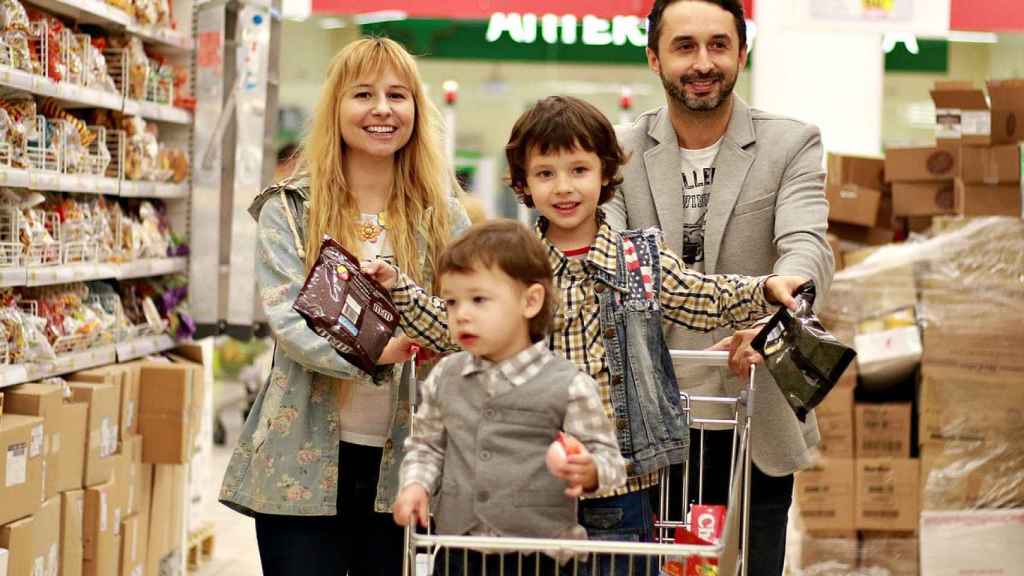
(318, 458)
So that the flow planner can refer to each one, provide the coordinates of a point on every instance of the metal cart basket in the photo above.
(422, 549)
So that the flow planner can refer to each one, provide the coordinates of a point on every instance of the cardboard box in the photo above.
(959, 475)
(165, 412)
(21, 466)
(16, 538)
(883, 430)
(887, 494)
(133, 545)
(131, 452)
(894, 554)
(100, 552)
(888, 355)
(961, 114)
(1007, 110)
(959, 404)
(861, 235)
(825, 553)
(72, 521)
(125, 378)
(853, 204)
(920, 164)
(835, 422)
(46, 536)
(987, 199)
(166, 517)
(923, 198)
(990, 165)
(46, 402)
(971, 543)
(862, 171)
(825, 495)
(102, 429)
(73, 435)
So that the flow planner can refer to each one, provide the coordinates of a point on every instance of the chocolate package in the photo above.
(350, 310)
(803, 358)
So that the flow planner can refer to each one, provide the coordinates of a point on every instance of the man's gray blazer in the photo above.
(767, 213)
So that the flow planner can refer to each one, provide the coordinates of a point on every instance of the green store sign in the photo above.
(587, 40)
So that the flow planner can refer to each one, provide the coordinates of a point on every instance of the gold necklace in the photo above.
(370, 231)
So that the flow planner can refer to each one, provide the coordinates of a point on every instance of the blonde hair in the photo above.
(422, 177)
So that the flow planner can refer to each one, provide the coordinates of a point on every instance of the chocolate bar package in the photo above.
(352, 311)
(803, 358)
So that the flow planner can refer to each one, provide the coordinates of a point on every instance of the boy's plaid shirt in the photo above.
(687, 299)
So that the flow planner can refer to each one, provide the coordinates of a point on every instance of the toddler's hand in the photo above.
(385, 274)
(569, 460)
(411, 505)
(780, 290)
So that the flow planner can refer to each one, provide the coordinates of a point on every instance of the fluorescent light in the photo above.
(381, 16)
(333, 23)
(972, 37)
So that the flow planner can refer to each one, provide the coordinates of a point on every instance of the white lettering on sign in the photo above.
(553, 29)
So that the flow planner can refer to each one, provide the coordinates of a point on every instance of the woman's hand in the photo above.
(741, 354)
(780, 290)
(411, 505)
(399, 349)
(385, 274)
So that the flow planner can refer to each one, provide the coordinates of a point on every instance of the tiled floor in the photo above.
(235, 551)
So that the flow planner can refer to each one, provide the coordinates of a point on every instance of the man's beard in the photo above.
(699, 104)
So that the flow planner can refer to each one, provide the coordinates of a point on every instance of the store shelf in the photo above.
(13, 374)
(152, 267)
(144, 346)
(68, 94)
(14, 177)
(165, 37)
(158, 112)
(87, 184)
(86, 271)
(87, 11)
(73, 362)
(165, 190)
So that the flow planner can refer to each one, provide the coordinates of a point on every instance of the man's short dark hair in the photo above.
(563, 123)
(734, 7)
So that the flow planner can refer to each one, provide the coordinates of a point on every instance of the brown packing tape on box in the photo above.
(923, 198)
(46, 402)
(990, 165)
(853, 204)
(46, 536)
(961, 114)
(882, 430)
(1007, 110)
(987, 199)
(863, 171)
(16, 537)
(961, 475)
(920, 164)
(887, 494)
(21, 475)
(72, 522)
(825, 495)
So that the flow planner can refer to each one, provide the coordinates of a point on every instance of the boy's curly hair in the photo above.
(563, 123)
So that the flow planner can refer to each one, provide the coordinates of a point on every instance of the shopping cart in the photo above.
(648, 559)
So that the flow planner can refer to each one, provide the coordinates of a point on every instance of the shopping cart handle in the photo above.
(701, 357)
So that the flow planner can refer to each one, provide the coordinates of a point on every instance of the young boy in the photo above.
(618, 292)
(489, 414)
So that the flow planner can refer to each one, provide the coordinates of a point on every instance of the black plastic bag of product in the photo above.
(803, 358)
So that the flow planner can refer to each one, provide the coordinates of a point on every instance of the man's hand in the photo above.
(780, 290)
(741, 355)
(385, 274)
(399, 349)
(411, 505)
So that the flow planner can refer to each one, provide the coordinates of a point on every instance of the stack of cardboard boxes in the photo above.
(925, 449)
(92, 477)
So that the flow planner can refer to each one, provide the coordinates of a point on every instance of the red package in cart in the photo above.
(707, 523)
